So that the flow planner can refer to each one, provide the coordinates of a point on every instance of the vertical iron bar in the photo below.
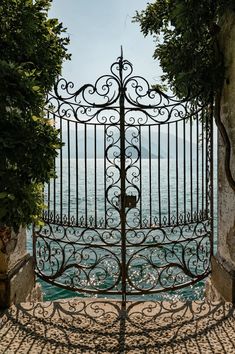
(54, 192)
(69, 181)
(191, 169)
(159, 177)
(168, 174)
(85, 151)
(54, 180)
(197, 132)
(49, 191)
(35, 240)
(177, 171)
(61, 173)
(44, 212)
(184, 148)
(95, 173)
(140, 148)
(211, 191)
(207, 160)
(203, 162)
(76, 132)
(105, 181)
(49, 199)
(150, 177)
(123, 180)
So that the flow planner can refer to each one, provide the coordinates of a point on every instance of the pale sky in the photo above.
(97, 29)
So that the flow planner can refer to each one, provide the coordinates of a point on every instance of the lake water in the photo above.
(185, 191)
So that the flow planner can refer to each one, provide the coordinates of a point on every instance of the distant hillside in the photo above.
(145, 146)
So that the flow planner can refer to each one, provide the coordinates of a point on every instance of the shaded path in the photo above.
(100, 326)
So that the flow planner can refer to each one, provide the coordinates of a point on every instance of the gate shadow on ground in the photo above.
(101, 326)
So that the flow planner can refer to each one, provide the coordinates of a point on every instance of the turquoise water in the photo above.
(196, 291)
(91, 175)
(193, 292)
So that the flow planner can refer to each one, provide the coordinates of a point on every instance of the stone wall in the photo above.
(17, 277)
(223, 265)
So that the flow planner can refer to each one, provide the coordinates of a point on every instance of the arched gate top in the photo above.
(131, 210)
(99, 103)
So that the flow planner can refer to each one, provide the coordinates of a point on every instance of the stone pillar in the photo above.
(223, 264)
(17, 278)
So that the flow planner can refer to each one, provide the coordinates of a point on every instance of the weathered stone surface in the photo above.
(17, 278)
(227, 46)
(18, 284)
(222, 279)
(12, 248)
(211, 292)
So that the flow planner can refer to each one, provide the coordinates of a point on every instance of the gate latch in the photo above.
(130, 201)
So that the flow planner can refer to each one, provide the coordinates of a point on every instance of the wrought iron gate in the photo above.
(130, 209)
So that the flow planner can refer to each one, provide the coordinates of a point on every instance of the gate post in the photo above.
(17, 278)
(223, 265)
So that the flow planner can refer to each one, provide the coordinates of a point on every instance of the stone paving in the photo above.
(101, 326)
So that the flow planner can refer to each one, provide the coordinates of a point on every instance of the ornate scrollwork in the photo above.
(90, 260)
(139, 224)
(95, 103)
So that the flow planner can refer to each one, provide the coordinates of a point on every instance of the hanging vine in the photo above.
(186, 33)
(186, 36)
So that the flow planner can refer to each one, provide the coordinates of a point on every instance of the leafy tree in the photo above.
(188, 48)
(32, 50)
(186, 34)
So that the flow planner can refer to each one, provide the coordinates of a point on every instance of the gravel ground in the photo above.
(101, 326)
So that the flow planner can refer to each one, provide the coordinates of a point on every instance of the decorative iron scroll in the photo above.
(81, 259)
(130, 210)
(99, 103)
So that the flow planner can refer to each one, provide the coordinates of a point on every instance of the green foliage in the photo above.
(32, 50)
(186, 34)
